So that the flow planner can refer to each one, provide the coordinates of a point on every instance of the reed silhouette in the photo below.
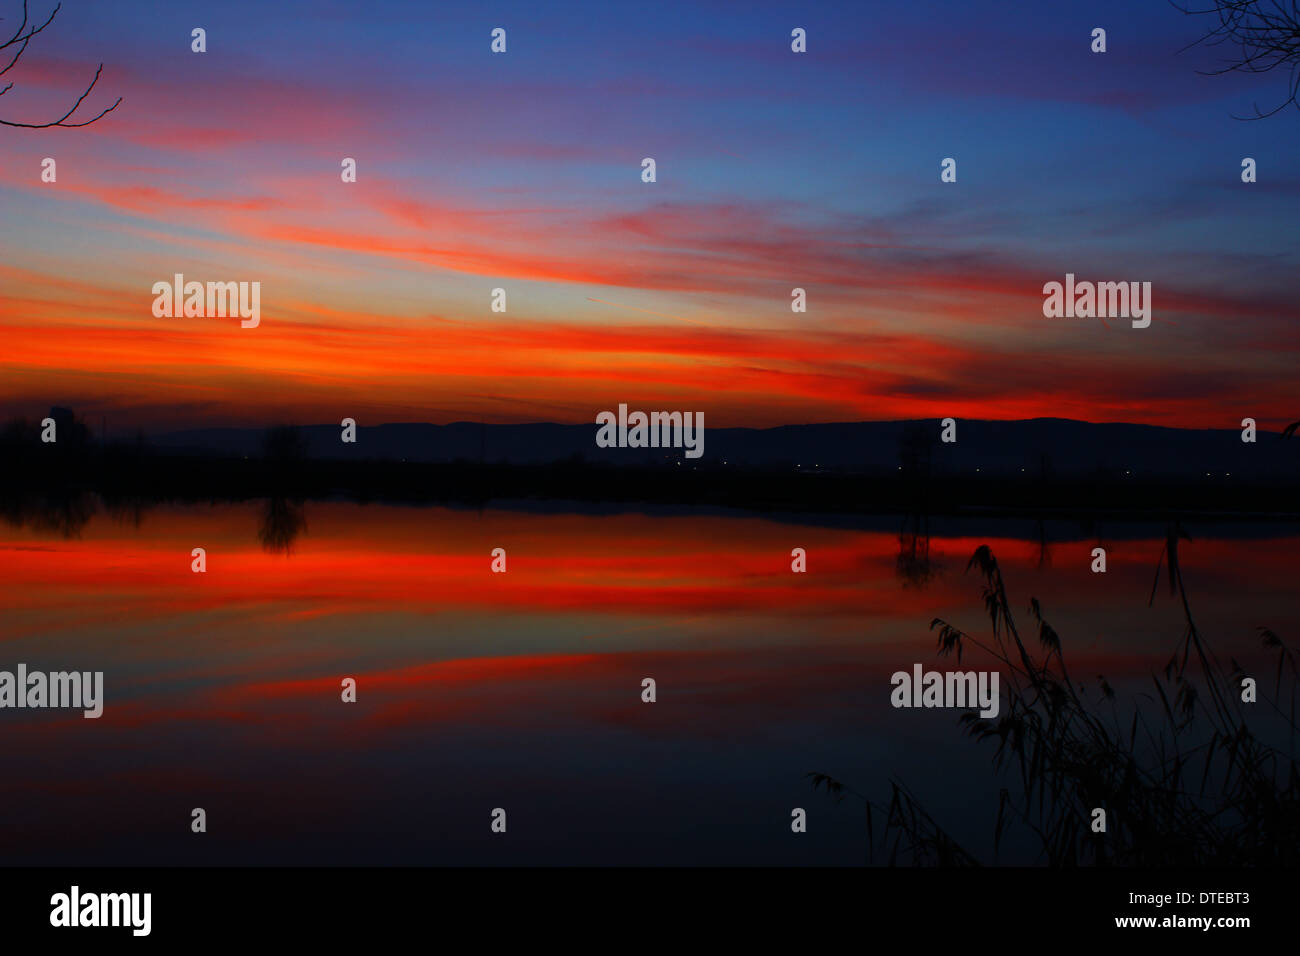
(1192, 783)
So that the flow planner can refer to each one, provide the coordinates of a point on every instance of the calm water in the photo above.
(522, 690)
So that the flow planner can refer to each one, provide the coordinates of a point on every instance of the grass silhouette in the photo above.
(1185, 778)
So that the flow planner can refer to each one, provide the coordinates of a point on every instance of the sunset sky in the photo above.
(522, 171)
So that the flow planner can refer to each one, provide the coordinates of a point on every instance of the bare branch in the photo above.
(61, 120)
(24, 37)
(1265, 35)
(21, 39)
(15, 59)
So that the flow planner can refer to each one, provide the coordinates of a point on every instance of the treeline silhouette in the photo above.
(134, 470)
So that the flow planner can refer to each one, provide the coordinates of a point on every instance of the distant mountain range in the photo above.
(1059, 447)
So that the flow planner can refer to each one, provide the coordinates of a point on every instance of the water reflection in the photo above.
(282, 522)
(64, 514)
(914, 567)
(523, 689)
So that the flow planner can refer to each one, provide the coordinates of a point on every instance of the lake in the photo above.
(523, 690)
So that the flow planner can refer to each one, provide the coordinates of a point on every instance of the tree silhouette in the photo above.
(19, 40)
(1265, 34)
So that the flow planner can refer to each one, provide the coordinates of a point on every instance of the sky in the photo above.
(522, 171)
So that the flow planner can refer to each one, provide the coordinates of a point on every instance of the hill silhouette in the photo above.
(1062, 447)
(1040, 467)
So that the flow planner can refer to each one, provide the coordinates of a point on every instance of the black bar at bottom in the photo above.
(655, 906)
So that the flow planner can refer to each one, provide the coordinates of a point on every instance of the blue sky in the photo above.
(774, 170)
